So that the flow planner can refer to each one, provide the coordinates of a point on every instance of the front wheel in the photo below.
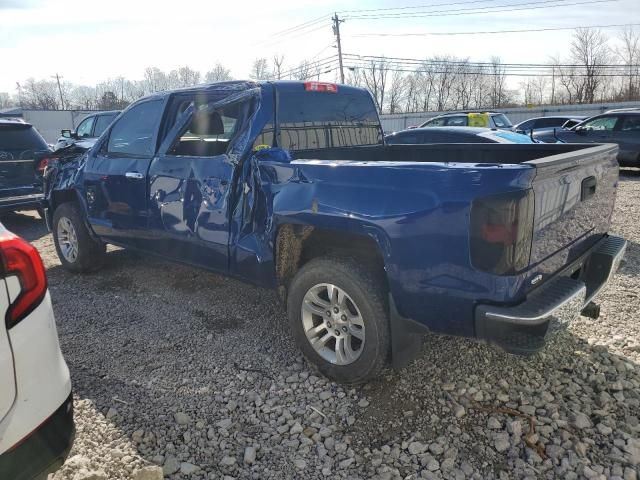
(77, 250)
(338, 316)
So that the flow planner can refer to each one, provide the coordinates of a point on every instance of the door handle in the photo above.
(134, 175)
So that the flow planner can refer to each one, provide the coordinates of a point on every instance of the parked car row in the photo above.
(621, 127)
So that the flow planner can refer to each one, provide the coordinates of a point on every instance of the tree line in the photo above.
(595, 69)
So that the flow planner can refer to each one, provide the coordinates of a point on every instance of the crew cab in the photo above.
(290, 186)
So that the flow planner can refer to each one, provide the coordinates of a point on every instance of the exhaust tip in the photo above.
(591, 310)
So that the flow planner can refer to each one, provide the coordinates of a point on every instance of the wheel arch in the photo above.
(297, 244)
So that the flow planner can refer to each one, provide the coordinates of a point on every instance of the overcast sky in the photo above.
(89, 40)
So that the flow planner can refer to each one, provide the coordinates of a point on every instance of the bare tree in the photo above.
(218, 74)
(589, 49)
(5, 100)
(188, 77)
(260, 70)
(499, 79)
(278, 60)
(374, 77)
(629, 54)
(303, 71)
(397, 92)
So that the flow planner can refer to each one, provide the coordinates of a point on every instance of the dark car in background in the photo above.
(543, 124)
(89, 129)
(23, 158)
(455, 135)
(470, 119)
(621, 127)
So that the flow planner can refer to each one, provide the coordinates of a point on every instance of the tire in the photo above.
(69, 228)
(362, 353)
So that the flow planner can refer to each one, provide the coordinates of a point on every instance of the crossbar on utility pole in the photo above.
(58, 77)
(336, 32)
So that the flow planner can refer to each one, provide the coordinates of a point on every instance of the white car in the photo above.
(36, 405)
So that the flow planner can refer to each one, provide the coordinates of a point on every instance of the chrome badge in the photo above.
(536, 279)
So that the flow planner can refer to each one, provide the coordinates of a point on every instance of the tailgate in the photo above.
(574, 199)
(17, 174)
(7, 375)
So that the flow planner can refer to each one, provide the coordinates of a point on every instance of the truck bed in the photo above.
(459, 153)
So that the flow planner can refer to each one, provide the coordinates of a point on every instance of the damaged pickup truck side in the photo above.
(289, 185)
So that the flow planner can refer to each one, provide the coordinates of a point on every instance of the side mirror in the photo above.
(580, 130)
(67, 133)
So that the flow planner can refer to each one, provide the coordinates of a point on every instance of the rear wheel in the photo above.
(77, 250)
(338, 316)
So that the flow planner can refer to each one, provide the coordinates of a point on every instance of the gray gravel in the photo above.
(186, 373)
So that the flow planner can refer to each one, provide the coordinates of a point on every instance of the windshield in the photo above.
(501, 121)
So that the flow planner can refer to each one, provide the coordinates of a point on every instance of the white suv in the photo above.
(36, 406)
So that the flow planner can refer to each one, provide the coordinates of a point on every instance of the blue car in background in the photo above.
(455, 135)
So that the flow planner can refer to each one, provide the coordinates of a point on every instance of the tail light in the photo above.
(20, 258)
(42, 165)
(320, 87)
(501, 232)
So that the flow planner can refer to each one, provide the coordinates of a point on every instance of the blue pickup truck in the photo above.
(290, 186)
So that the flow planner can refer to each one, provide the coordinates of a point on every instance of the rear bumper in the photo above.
(522, 328)
(44, 450)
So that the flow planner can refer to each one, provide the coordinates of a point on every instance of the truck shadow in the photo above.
(150, 338)
(26, 224)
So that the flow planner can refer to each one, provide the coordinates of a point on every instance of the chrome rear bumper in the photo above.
(521, 328)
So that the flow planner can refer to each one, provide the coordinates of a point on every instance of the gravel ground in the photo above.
(181, 371)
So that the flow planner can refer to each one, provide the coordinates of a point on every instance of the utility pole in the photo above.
(58, 77)
(336, 32)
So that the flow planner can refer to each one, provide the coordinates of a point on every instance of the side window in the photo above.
(601, 123)
(457, 121)
(310, 120)
(631, 124)
(435, 122)
(211, 128)
(527, 125)
(133, 133)
(102, 122)
(84, 129)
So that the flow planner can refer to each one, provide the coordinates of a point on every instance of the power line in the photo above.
(487, 73)
(300, 26)
(421, 34)
(427, 61)
(294, 32)
(317, 65)
(414, 7)
(478, 10)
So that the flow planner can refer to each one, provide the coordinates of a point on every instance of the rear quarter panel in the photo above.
(418, 213)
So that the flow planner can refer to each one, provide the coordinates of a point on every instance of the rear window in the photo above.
(501, 121)
(549, 122)
(20, 142)
(510, 137)
(309, 120)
